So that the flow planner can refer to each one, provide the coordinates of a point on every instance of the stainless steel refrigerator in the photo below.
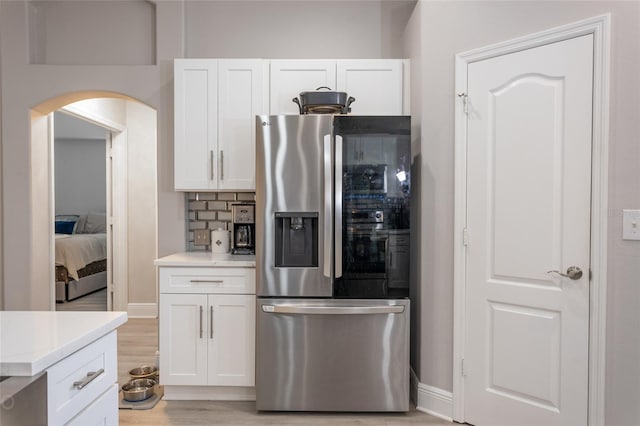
(332, 262)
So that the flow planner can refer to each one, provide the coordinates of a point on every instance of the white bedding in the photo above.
(75, 251)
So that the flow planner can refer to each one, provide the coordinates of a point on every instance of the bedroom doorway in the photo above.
(131, 219)
(82, 195)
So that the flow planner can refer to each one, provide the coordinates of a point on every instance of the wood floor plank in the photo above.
(137, 345)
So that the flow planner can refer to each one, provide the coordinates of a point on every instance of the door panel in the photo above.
(239, 101)
(528, 200)
(290, 77)
(183, 344)
(231, 340)
(293, 180)
(377, 85)
(196, 118)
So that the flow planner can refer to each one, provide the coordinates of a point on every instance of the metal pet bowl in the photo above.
(144, 372)
(138, 389)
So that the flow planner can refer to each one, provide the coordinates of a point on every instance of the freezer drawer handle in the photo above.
(332, 310)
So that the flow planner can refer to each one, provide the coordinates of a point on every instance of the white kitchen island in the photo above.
(59, 367)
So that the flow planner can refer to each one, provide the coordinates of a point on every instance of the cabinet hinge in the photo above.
(465, 101)
(465, 237)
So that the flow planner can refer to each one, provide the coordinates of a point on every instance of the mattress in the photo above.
(76, 251)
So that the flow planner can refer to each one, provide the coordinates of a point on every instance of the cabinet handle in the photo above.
(207, 281)
(211, 322)
(91, 375)
(212, 163)
(201, 321)
(221, 165)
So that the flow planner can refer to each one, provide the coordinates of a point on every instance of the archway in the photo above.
(133, 126)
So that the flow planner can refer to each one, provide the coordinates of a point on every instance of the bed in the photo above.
(80, 255)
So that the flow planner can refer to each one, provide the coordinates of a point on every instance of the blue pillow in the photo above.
(64, 227)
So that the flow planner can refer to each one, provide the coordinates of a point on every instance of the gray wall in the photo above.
(80, 176)
(453, 27)
(80, 166)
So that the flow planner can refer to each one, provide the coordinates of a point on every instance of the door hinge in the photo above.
(465, 101)
(463, 373)
(465, 237)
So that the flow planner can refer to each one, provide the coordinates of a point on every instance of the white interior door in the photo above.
(529, 128)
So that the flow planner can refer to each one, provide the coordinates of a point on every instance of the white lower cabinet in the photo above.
(206, 339)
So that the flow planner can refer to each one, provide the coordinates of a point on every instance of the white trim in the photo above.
(119, 221)
(87, 115)
(142, 310)
(599, 26)
(431, 400)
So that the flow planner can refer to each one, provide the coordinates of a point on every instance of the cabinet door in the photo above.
(290, 77)
(231, 340)
(183, 339)
(103, 411)
(377, 85)
(240, 99)
(195, 124)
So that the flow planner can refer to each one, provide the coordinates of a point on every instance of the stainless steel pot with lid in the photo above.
(324, 102)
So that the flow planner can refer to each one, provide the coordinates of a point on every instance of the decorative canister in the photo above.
(219, 241)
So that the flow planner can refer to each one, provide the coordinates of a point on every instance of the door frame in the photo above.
(600, 28)
(117, 193)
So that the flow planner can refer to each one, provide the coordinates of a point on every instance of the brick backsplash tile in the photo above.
(197, 205)
(207, 215)
(227, 196)
(197, 225)
(211, 210)
(217, 205)
(226, 216)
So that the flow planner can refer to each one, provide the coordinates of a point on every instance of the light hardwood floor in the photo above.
(96, 301)
(137, 344)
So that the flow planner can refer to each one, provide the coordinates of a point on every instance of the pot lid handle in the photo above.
(323, 87)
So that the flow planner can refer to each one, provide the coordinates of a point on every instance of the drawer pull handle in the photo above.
(91, 375)
(207, 281)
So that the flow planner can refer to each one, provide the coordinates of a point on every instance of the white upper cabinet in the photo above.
(376, 84)
(380, 86)
(290, 77)
(240, 99)
(196, 123)
(216, 101)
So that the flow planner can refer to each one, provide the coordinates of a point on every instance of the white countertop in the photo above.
(32, 341)
(205, 258)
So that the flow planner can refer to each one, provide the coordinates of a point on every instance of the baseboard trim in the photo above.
(431, 400)
(142, 310)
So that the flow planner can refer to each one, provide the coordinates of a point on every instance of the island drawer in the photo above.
(82, 377)
(207, 280)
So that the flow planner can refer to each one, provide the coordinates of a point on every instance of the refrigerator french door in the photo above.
(332, 199)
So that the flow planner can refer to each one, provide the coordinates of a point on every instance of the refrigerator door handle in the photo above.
(328, 206)
(338, 211)
(332, 310)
